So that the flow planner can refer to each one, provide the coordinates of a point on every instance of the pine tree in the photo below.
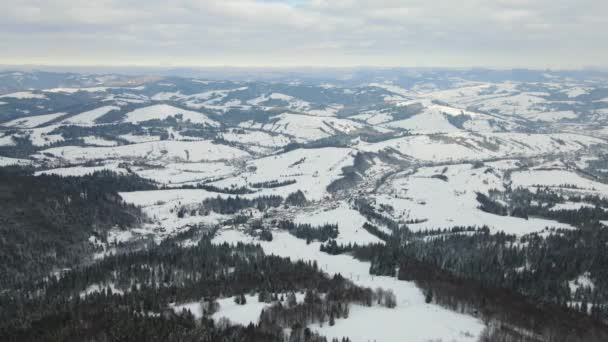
(428, 297)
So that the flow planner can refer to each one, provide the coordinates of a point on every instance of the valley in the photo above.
(365, 176)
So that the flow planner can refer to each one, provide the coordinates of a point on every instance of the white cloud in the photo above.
(537, 33)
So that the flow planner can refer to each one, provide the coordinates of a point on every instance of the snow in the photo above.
(166, 96)
(576, 91)
(391, 326)
(373, 117)
(445, 204)
(581, 282)
(430, 122)
(180, 151)
(32, 121)
(258, 138)
(136, 139)
(504, 164)
(349, 221)
(312, 169)
(75, 90)
(7, 140)
(505, 98)
(235, 313)
(306, 127)
(434, 119)
(411, 190)
(41, 136)
(210, 99)
(392, 88)
(470, 93)
(125, 98)
(296, 105)
(474, 146)
(37, 136)
(194, 307)
(180, 173)
(240, 314)
(417, 320)
(424, 148)
(6, 161)
(331, 110)
(162, 206)
(292, 102)
(520, 104)
(81, 170)
(89, 117)
(153, 197)
(572, 206)
(164, 111)
(97, 141)
(553, 116)
(557, 179)
(23, 95)
(96, 288)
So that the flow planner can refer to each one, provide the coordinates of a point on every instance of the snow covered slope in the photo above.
(350, 224)
(471, 146)
(306, 127)
(89, 117)
(163, 111)
(179, 151)
(450, 200)
(32, 121)
(418, 321)
(311, 169)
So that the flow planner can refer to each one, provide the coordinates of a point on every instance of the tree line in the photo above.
(144, 284)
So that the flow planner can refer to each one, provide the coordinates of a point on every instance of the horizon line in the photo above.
(292, 67)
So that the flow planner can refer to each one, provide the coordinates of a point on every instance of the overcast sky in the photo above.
(450, 33)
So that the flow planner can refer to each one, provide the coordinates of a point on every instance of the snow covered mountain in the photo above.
(400, 154)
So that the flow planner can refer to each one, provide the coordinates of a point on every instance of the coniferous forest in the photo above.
(146, 283)
(509, 282)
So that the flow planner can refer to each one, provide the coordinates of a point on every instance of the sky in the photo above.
(559, 34)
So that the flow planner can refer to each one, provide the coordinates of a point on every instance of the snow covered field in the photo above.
(7, 140)
(452, 202)
(306, 127)
(82, 170)
(567, 180)
(162, 205)
(89, 117)
(6, 161)
(180, 173)
(32, 121)
(312, 169)
(349, 221)
(471, 146)
(179, 151)
(163, 111)
(257, 138)
(235, 313)
(24, 95)
(417, 321)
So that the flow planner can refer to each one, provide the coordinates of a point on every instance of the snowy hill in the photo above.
(306, 127)
(162, 112)
(389, 183)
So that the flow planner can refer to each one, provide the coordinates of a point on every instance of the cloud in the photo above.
(539, 33)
